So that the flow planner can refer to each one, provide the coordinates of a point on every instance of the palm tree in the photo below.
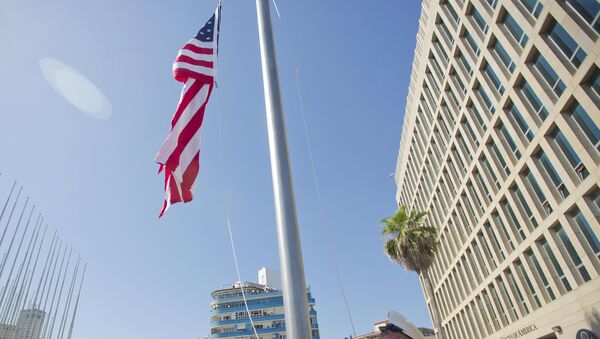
(412, 244)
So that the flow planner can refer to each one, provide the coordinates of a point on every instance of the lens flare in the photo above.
(76, 89)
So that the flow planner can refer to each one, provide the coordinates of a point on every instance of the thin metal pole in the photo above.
(12, 267)
(7, 200)
(49, 282)
(22, 274)
(60, 294)
(77, 303)
(42, 276)
(10, 215)
(65, 316)
(288, 235)
(28, 256)
(8, 287)
(43, 308)
(33, 269)
(12, 316)
(50, 312)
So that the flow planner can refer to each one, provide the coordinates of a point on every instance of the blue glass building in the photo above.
(229, 317)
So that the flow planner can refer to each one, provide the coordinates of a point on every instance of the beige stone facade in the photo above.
(501, 144)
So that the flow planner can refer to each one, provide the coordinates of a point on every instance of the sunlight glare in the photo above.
(76, 88)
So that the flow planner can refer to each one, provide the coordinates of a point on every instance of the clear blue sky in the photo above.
(96, 182)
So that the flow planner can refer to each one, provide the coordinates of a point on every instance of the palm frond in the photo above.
(409, 241)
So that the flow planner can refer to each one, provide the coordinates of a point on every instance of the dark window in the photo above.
(534, 7)
(588, 9)
(515, 30)
(534, 101)
(503, 56)
(520, 121)
(566, 44)
(570, 154)
(543, 67)
(586, 124)
(566, 242)
(479, 20)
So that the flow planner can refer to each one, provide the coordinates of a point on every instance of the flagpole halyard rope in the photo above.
(226, 207)
(237, 269)
(320, 202)
(315, 177)
(276, 9)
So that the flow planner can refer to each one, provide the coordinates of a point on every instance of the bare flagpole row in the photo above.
(13, 296)
(11, 213)
(22, 284)
(7, 200)
(24, 301)
(10, 246)
(39, 274)
(76, 303)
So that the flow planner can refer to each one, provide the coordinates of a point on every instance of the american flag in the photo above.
(179, 156)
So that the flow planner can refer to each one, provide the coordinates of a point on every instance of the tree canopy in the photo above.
(409, 241)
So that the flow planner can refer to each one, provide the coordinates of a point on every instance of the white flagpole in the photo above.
(295, 303)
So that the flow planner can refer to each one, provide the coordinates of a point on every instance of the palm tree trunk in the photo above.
(435, 314)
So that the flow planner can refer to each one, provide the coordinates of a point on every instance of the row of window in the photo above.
(492, 170)
(467, 141)
(497, 239)
(428, 102)
(585, 11)
(553, 266)
(577, 116)
(470, 207)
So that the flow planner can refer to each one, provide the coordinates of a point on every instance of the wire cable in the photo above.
(226, 206)
(315, 177)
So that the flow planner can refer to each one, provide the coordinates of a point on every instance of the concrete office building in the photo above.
(229, 317)
(501, 144)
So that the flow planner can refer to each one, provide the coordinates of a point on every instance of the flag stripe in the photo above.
(196, 49)
(171, 192)
(202, 44)
(197, 56)
(190, 89)
(189, 151)
(195, 104)
(195, 69)
(182, 74)
(189, 178)
(192, 61)
(187, 133)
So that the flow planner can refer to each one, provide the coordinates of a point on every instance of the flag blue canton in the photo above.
(206, 33)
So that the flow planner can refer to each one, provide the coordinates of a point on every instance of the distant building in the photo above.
(229, 317)
(501, 146)
(406, 325)
(427, 333)
(270, 277)
(375, 333)
(8, 331)
(29, 325)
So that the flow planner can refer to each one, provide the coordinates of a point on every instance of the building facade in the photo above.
(29, 325)
(501, 145)
(229, 316)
